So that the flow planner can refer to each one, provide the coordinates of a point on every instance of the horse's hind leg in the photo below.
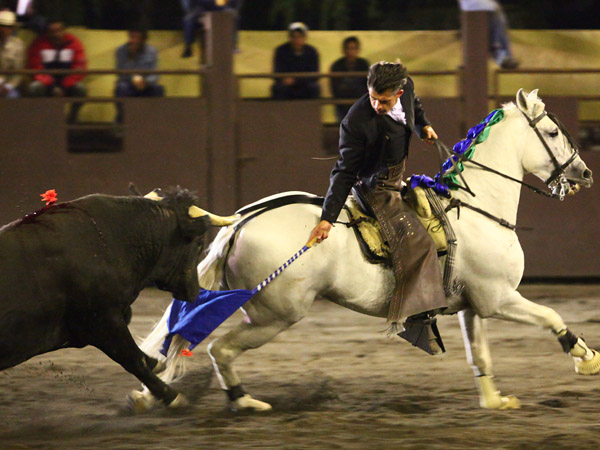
(474, 330)
(518, 309)
(224, 350)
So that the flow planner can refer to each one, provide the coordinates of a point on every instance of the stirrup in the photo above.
(421, 331)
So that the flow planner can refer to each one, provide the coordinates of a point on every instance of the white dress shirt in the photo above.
(397, 113)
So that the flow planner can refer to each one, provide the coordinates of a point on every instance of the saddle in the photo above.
(368, 231)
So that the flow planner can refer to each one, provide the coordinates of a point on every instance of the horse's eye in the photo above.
(553, 134)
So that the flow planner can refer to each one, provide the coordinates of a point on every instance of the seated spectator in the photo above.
(349, 87)
(136, 54)
(296, 56)
(12, 55)
(57, 49)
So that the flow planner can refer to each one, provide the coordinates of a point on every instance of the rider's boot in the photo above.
(421, 331)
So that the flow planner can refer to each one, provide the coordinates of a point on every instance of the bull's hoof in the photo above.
(247, 403)
(591, 367)
(160, 366)
(179, 402)
(139, 402)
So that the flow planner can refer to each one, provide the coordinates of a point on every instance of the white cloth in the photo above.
(478, 5)
(397, 113)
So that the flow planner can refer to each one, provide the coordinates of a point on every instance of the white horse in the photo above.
(489, 262)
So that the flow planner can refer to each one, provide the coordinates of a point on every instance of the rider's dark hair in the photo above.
(384, 76)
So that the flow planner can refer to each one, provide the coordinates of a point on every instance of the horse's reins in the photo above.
(555, 176)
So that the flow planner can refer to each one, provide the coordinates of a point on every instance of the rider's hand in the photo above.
(321, 231)
(429, 134)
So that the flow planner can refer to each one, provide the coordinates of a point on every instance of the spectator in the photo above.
(57, 49)
(499, 42)
(193, 10)
(296, 56)
(136, 54)
(12, 55)
(349, 87)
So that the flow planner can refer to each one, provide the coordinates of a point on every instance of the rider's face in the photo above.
(383, 103)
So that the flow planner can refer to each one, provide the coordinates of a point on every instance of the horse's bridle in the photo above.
(557, 181)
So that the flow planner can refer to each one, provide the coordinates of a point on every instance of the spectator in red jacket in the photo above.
(57, 49)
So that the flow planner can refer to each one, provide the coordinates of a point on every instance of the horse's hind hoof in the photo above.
(139, 403)
(591, 367)
(247, 403)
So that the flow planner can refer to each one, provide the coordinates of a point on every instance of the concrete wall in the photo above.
(164, 144)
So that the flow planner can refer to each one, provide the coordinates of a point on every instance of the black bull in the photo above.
(70, 272)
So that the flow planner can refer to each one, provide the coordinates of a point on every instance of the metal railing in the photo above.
(340, 101)
(496, 94)
(201, 70)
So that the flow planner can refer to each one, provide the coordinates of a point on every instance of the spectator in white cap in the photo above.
(296, 56)
(12, 55)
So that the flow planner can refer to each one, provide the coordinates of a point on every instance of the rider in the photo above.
(374, 140)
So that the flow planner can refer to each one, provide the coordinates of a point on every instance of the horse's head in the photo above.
(553, 155)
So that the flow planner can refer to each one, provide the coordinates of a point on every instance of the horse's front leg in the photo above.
(518, 309)
(474, 330)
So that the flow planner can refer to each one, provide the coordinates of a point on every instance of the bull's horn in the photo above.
(154, 195)
(218, 221)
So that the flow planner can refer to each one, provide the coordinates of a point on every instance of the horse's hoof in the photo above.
(510, 402)
(139, 402)
(179, 402)
(247, 403)
(500, 402)
(591, 367)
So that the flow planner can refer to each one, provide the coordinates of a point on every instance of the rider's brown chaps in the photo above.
(419, 285)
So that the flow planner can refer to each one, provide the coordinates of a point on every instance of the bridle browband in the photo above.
(557, 182)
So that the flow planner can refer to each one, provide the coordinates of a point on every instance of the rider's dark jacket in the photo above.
(369, 142)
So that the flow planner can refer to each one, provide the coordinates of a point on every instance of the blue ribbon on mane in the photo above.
(439, 183)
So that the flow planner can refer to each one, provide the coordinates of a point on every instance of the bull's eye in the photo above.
(553, 134)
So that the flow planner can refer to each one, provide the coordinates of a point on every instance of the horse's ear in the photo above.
(529, 103)
(522, 101)
(535, 103)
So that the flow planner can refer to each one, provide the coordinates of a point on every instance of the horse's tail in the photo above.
(172, 365)
(212, 268)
